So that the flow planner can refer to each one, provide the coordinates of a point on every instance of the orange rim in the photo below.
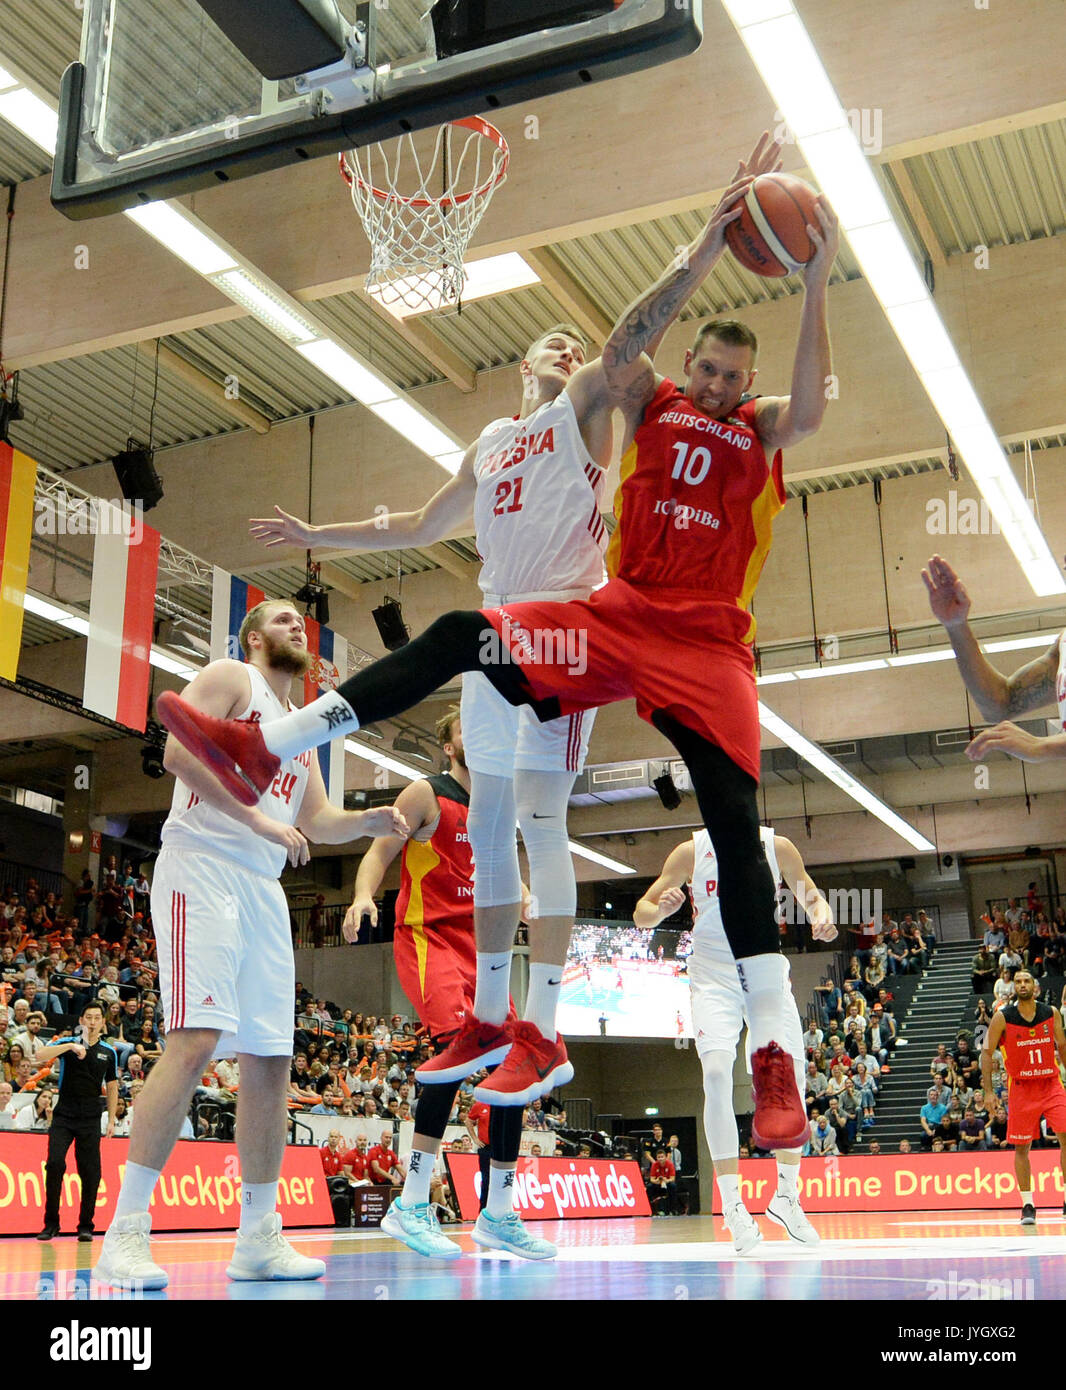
(474, 123)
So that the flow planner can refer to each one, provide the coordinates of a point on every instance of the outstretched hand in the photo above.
(947, 594)
(281, 529)
(765, 158)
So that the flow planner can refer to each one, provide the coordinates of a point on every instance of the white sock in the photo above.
(323, 719)
(787, 1175)
(545, 983)
(258, 1199)
(765, 982)
(729, 1187)
(492, 998)
(501, 1192)
(138, 1184)
(419, 1172)
(1027, 1200)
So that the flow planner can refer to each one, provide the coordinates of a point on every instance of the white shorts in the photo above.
(225, 952)
(718, 1013)
(500, 738)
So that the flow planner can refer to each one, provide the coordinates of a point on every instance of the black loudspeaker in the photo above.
(137, 477)
(459, 26)
(390, 625)
(668, 792)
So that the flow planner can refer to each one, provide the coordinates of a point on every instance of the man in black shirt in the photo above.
(88, 1063)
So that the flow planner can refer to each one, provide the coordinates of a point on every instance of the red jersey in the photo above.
(333, 1160)
(437, 875)
(1029, 1048)
(479, 1115)
(696, 502)
(386, 1159)
(663, 1170)
(360, 1163)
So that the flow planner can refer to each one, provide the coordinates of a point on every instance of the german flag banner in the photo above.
(18, 481)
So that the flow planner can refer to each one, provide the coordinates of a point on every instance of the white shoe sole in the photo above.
(800, 1237)
(397, 1233)
(562, 1075)
(490, 1242)
(149, 1283)
(488, 1059)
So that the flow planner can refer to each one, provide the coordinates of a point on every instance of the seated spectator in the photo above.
(937, 1146)
(867, 1058)
(925, 926)
(1018, 942)
(967, 1066)
(904, 1146)
(873, 979)
(995, 938)
(951, 1126)
(334, 1156)
(29, 1039)
(898, 960)
(971, 1132)
(6, 1105)
(916, 949)
(943, 1064)
(996, 1129)
(38, 1116)
(535, 1117)
(13, 1062)
(148, 1046)
(661, 1184)
(866, 1088)
(851, 1107)
(813, 1037)
(839, 1124)
(814, 1087)
(836, 1083)
(962, 1095)
(822, 1141)
(930, 1116)
(122, 1120)
(879, 951)
(983, 971)
(830, 997)
(1009, 960)
(385, 1165)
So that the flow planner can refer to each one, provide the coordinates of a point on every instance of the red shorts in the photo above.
(437, 967)
(1027, 1101)
(667, 649)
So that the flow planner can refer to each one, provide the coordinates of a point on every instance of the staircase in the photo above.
(942, 1003)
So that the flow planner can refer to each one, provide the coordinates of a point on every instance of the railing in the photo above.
(14, 877)
(321, 926)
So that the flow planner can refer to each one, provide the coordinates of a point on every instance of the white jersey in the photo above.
(1060, 681)
(201, 829)
(708, 931)
(537, 507)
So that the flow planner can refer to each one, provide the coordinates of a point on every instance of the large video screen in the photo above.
(626, 982)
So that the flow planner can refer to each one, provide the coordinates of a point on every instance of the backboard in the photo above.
(163, 102)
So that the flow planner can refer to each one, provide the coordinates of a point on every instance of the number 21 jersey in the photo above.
(201, 829)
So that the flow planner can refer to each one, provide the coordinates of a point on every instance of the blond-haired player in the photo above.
(225, 954)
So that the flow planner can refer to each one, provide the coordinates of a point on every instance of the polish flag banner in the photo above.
(121, 616)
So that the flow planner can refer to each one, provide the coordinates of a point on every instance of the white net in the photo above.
(420, 211)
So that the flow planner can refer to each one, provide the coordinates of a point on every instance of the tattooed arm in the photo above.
(630, 375)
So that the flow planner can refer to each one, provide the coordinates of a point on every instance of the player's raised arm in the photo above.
(449, 510)
(667, 893)
(997, 696)
(809, 896)
(782, 421)
(629, 372)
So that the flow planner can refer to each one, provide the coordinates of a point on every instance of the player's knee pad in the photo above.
(542, 799)
(719, 1121)
(490, 823)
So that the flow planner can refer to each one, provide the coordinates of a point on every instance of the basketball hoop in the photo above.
(418, 240)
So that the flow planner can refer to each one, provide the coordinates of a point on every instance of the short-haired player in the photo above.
(224, 942)
(719, 1015)
(1031, 1038)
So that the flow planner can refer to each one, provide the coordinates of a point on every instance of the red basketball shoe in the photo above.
(475, 1045)
(780, 1121)
(534, 1066)
(233, 749)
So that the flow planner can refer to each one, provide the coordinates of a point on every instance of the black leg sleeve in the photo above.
(505, 1132)
(433, 1108)
(730, 810)
(459, 641)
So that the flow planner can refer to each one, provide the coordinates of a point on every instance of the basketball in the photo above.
(770, 235)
